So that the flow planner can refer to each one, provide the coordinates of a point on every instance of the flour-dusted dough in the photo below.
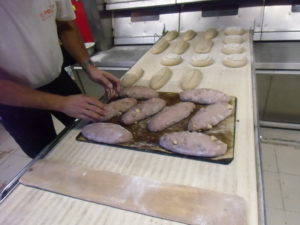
(233, 48)
(189, 35)
(204, 45)
(210, 33)
(160, 78)
(201, 60)
(171, 59)
(132, 77)
(180, 47)
(171, 35)
(191, 79)
(235, 60)
(160, 46)
(234, 31)
(233, 39)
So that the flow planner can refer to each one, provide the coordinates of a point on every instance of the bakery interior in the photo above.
(261, 166)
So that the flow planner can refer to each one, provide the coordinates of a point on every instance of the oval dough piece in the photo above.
(138, 92)
(161, 78)
(106, 133)
(160, 46)
(201, 60)
(205, 96)
(204, 46)
(132, 77)
(191, 79)
(233, 48)
(235, 60)
(189, 35)
(171, 60)
(210, 33)
(180, 47)
(234, 31)
(171, 35)
(233, 39)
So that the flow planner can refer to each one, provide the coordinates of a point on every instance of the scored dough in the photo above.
(160, 78)
(204, 46)
(160, 46)
(180, 47)
(201, 60)
(235, 60)
(234, 31)
(132, 77)
(210, 33)
(233, 39)
(192, 78)
(189, 35)
(233, 48)
(171, 59)
(171, 35)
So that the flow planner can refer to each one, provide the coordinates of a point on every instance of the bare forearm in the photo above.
(14, 94)
(72, 41)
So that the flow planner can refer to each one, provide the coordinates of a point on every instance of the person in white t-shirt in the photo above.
(32, 83)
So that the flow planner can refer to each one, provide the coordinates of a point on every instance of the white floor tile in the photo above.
(290, 185)
(272, 189)
(275, 216)
(269, 162)
(292, 218)
(288, 159)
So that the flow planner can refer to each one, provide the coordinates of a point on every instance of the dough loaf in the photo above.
(189, 35)
(204, 46)
(191, 79)
(234, 31)
(180, 47)
(132, 77)
(233, 48)
(171, 35)
(160, 78)
(233, 39)
(235, 60)
(201, 60)
(171, 60)
(160, 46)
(210, 33)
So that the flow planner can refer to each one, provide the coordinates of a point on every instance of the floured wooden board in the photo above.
(178, 203)
(144, 140)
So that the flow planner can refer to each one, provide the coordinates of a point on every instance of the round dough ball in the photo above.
(201, 60)
(234, 31)
(171, 59)
(233, 48)
(235, 60)
(233, 39)
(210, 33)
(171, 35)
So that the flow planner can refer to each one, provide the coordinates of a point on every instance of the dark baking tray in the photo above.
(146, 141)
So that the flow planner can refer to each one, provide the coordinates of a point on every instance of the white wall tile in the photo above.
(275, 216)
(288, 159)
(292, 218)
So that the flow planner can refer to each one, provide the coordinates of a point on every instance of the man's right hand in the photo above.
(83, 107)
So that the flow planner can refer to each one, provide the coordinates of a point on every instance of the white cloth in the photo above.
(29, 44)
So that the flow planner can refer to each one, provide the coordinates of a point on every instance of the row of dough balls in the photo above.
(191, 79)
(233, 48)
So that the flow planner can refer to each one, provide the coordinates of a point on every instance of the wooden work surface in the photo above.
(35, 206)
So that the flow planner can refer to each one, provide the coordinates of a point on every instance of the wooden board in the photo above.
(144, 140)
(179, 203)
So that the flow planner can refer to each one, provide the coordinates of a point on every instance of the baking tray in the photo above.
(146, 141)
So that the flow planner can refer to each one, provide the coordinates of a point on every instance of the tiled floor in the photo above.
(281, 171)
(12, 158)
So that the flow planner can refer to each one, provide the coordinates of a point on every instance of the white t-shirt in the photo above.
(29, 44)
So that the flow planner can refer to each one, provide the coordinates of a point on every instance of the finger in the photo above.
(90, 115)
(106, 82)
(115, 81)
(96, 102)
(97, 110)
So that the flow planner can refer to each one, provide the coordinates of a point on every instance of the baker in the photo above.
(32, 83)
